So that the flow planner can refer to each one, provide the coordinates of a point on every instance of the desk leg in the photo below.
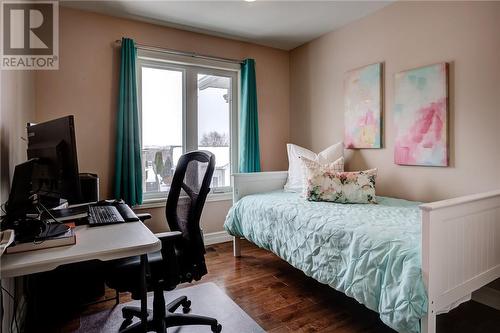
(8, 303)
(144, 292)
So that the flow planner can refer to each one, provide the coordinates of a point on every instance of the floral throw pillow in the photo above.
(333, 167)
(323, 183)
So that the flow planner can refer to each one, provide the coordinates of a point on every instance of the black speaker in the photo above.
(89, 183)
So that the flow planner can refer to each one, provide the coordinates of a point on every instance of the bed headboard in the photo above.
(257, 182)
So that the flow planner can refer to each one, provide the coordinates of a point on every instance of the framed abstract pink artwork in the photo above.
(421, 116)
(363, 107)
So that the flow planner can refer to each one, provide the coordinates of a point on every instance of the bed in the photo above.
(405, 260)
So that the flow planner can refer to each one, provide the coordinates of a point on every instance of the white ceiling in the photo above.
(280, 24)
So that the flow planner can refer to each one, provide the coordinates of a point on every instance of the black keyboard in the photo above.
(102, 215)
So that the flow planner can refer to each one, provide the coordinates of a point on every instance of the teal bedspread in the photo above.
(369, 252)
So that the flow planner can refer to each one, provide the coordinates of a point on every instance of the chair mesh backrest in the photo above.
(188, 192)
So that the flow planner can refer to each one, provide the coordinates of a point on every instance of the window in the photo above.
(184, 107)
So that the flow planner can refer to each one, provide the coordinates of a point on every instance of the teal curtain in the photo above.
(128, 166)
(249, 120)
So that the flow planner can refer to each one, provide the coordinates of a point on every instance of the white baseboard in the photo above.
(217, 237)
(487, 296)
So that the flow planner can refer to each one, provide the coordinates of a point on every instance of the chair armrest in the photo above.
(169, 235)
(171, 271)
(143, 216)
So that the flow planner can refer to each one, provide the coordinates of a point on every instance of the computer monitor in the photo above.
(21, 191)
(53, 144)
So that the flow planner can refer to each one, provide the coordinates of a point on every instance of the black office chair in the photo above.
(181, 258)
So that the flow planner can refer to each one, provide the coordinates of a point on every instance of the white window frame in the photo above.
(192, 67)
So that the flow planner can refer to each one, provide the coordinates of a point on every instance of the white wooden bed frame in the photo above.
(460, 242)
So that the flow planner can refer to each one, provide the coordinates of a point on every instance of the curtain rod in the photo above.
(181, 53)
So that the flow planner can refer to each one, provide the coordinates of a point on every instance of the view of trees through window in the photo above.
(163, 131)
(214, 139)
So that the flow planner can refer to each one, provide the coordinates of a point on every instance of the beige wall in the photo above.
(17, 108)
(302, 99)
(407, 35)
(86, 86)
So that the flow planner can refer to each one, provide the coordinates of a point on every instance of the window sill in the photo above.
(160, 202)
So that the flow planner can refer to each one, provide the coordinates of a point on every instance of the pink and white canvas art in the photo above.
(421, 116)
(363, 107)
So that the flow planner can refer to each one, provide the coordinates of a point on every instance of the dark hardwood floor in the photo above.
(282, 299)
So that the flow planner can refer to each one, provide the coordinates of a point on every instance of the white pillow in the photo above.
(295, 181)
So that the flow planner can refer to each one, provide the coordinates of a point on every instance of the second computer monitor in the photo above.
(53, 143)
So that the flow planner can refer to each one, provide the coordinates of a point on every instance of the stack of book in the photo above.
(68, 238)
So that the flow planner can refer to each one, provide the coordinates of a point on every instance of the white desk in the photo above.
(101, 243)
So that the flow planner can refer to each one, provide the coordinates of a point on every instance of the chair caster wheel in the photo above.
(128, 315)
(217, 328)
(186, 307)
(125, 324)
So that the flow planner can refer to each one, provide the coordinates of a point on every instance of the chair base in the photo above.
(163, 316)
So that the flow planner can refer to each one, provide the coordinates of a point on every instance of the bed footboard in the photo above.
(460, 250)
(256, 182)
